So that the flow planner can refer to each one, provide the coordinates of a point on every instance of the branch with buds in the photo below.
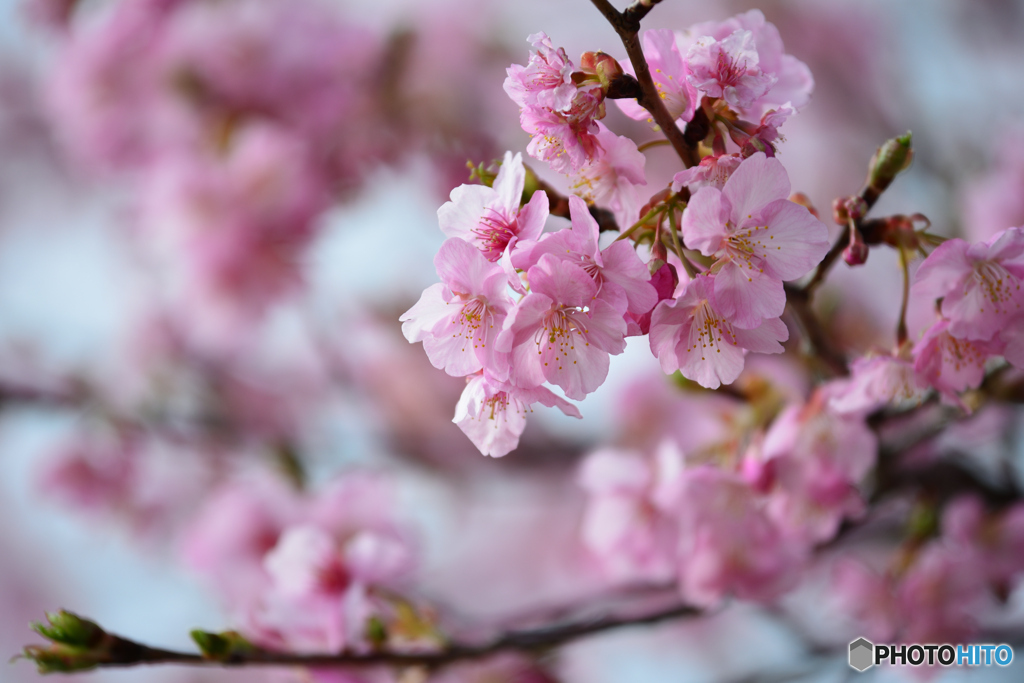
(78, 644)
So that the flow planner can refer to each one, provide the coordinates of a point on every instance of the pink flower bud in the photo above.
(856, 252)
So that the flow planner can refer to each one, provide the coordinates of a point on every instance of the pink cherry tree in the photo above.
(759, 449)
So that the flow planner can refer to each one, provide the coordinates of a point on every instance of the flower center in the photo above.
(494, 231)
(472, 322)
(748, 245)
(712, 331)
(997, 284)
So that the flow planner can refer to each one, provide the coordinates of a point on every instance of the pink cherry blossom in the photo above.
(490, 218)
(669, 73)
(817, 458)
(623, 526)
(791, 80)
(934, 600)
(762, 138)
(234, 530)
(493, 413)
(758, 239)
(728, 545)
(979, 284)
(866, 595)
(611, 179)
(561, 121)
(1011, 338)
(712, 171)
(997, 537)
(938, 597)
(620, 276)
(566, 140)
(319, 597)
(690, 334)
(561, 332)
(874, 382)
(728, 69)
(110, 108)
(546, 81)
(952, 365)
(459, 319)
(664, 280)
(235, 225)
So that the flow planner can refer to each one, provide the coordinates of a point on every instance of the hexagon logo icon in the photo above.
(862, 654)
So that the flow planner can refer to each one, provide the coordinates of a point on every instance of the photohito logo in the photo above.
(864, 654)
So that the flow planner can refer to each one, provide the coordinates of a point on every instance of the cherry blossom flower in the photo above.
(664, 280)
(876, 381)
(546, 80)
(712, 171)
(490, 218)
(728, 69)
(669, 73)
(790, 79)
(816, 459)
(459, 319)
(109, 106)
(562, 122)
(1011, 338)
(611, 179)
(763, 138)
(233, 531)
(996, 537)
(319, 596)
(493, 413)
(952, 365)
(758, 238)
(620, 276)
(234, 226)
(979, 284)
(623, 526)
(561, 332)
(566, 140)
(728, 545)
(690, 334)
(938, 597)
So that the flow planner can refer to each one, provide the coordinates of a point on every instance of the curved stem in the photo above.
(901, 326)
(653, 143)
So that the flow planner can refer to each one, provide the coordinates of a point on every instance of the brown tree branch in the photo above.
(627, 25)
(798, 302)
(119, 652)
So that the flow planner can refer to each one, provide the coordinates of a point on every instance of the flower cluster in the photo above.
(240, 123)
(980, 318)
(741, 526)
(578, 301)
(306, 573)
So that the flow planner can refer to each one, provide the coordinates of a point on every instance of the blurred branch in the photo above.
(627, 25)
(559, 206)
(820, 346)
(107, 650)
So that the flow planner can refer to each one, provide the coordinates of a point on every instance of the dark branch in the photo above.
(637, 11)
(122, 652)
(627, 25)
(819, 344)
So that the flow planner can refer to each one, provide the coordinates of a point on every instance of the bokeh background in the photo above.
(80, 305)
